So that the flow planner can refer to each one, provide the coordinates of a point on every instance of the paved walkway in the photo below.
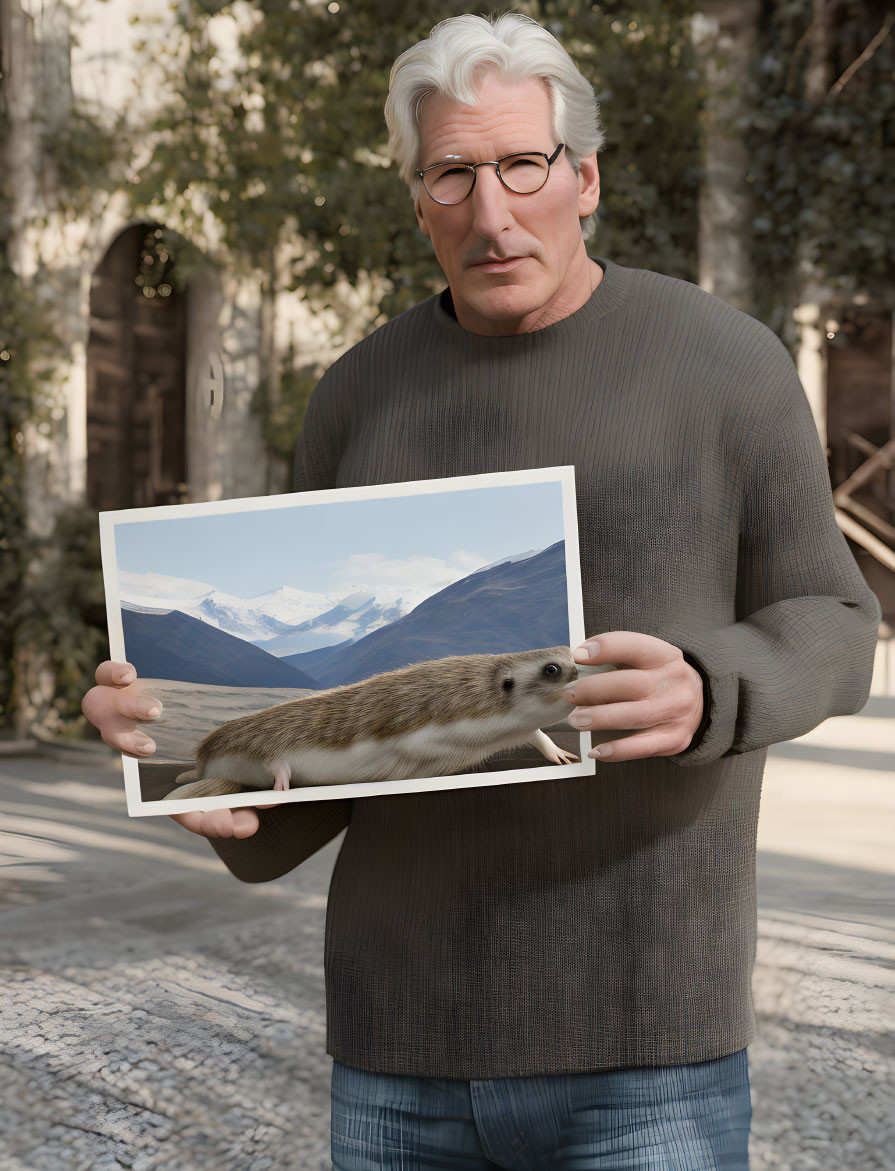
(155, 1012)
(824, 1060)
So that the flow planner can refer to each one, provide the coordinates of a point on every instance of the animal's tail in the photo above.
(206, 787)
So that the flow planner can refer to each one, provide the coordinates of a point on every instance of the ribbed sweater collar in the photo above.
(610, 293)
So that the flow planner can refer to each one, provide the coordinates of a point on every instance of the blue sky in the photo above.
(249, 553)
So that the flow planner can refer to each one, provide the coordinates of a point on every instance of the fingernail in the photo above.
(586, 652)
(568, 692)
(127, 677)
(146, 746)
(580, 719)
(155, 710)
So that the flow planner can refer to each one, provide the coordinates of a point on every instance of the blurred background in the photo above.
(197, 216)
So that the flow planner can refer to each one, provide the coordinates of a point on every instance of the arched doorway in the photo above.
(136, 374)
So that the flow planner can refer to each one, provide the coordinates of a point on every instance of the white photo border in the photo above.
(565, 475)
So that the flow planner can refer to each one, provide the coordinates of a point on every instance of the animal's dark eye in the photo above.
(552, 669)
(508, 684)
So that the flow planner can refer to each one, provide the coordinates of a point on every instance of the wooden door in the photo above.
(136, 382)
(859, 395)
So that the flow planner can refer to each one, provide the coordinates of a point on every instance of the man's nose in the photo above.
(490, 200)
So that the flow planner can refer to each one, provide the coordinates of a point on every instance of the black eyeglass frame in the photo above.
(551, 159)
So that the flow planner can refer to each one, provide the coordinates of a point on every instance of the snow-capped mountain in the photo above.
(290, 605)
(354, 616)
(518, 604)
(283, 621)
(255, 620)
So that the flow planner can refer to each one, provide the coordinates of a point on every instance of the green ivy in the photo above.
(295, 146)
(29, 348)
(52, 605)
(280, 415)
(62, 614)
(86, 157)
(821, 170)
(50, 585)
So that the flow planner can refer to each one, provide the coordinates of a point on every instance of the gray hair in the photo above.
(448, 63)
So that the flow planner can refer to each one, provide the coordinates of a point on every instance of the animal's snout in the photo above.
(573, 673)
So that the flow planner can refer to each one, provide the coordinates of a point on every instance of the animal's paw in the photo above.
(551, 751)
(560, 756)
(281, 773)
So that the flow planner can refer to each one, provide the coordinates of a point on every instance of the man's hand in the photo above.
(660, 693)
(115, 706)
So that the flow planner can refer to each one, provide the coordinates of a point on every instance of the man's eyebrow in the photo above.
(506, 154)
(443, 159)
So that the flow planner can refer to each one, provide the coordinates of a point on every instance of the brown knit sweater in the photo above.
(606, 921)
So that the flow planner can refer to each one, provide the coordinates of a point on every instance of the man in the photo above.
(557, 974)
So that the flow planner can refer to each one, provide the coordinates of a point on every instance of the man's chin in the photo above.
(505, 290)
(504, 303)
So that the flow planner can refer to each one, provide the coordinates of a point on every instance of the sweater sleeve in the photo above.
(803, 645)
(291, 832)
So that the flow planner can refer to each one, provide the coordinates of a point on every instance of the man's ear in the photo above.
(588, 185)
(420, 218)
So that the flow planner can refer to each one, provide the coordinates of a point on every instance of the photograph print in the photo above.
(350, 642)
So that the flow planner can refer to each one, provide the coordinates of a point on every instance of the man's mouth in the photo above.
(504, 264)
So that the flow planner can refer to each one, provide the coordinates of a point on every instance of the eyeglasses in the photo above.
(523, 174)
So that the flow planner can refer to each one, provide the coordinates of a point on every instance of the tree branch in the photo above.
(838, 85)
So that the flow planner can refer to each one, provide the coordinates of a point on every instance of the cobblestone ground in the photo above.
(823, 1062)
(156, 1012)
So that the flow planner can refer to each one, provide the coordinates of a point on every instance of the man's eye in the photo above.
(515, 164)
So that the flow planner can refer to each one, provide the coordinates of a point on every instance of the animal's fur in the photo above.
(454, 711)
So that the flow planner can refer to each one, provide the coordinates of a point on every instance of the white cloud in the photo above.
(415, 576)
(467, 562)
(161, 585)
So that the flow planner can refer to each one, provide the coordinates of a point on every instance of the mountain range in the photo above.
(282, 621)
(517, 603)
(513, 606)
(173, 645)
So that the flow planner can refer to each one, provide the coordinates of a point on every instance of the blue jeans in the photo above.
(669, 1118)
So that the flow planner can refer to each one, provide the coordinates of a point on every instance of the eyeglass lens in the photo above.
(521, 173)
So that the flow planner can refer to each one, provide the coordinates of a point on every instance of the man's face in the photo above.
(549, 275)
